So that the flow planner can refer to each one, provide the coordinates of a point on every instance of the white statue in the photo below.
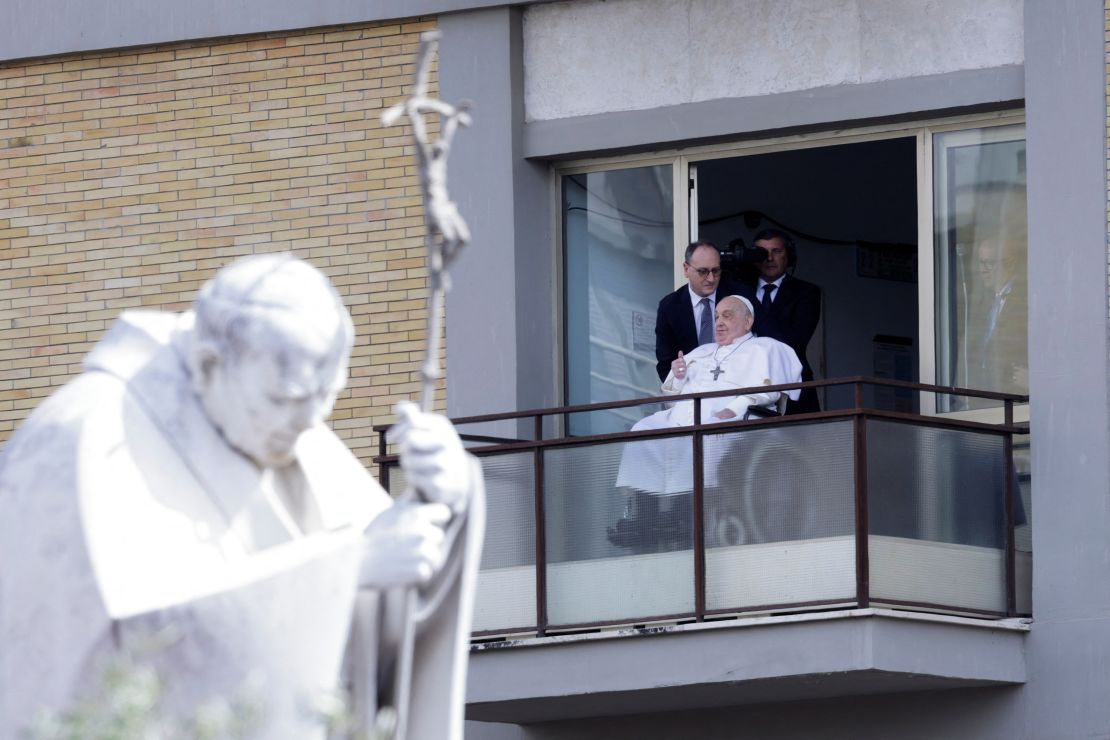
(186, 480)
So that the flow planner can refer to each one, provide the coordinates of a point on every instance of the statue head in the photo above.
(269, 353)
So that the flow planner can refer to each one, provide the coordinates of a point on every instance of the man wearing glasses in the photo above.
(685, 317)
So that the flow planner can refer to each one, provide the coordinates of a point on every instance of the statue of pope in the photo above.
(185, 485)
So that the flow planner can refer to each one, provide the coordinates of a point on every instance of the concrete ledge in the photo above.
(743, 661)
(656, 128)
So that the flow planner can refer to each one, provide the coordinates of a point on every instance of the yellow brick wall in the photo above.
(127, 178)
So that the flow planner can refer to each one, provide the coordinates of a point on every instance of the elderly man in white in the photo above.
(735, 359)
(185, 487)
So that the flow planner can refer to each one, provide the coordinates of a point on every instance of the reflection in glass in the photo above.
(778, 484)
(506, 593)
(780, 518)
(982, 297)
(936, 515)
(618, 237)
(505, 599)
(593, 573)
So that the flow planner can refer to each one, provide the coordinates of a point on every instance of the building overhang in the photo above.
(733, 119)
(740, 661)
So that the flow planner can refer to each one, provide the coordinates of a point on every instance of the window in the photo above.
(618, 237)
(957, 267)
(851, 210)
(980, 252)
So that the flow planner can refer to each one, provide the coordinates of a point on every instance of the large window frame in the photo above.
(685, 214)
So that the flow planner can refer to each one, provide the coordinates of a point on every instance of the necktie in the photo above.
(767, 290)
(705, 326)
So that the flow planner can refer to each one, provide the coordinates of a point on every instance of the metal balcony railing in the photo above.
(845, 508)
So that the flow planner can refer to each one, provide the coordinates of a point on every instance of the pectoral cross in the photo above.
(717, 372)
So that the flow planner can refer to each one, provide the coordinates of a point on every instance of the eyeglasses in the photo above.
(704, 272)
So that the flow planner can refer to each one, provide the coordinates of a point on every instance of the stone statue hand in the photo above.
(432, 456)
(404, 545)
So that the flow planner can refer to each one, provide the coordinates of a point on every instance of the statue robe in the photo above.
(118, 522)
(665, 465)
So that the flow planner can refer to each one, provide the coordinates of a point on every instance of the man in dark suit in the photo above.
(786, 308)
(685, 317)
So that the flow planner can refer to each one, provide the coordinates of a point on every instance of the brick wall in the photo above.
(128, 178)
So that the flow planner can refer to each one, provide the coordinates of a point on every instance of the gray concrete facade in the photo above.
(662, 53)
(1066, 653)
(1069, 649)
(741, 662)
(499, 336)
(736, 118)
(506, 350)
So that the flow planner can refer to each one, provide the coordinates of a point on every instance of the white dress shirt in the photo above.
(774, 291)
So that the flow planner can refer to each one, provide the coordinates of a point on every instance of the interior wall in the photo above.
(844, 194)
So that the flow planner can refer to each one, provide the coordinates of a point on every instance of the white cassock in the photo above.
(665, 466)
(248, 609)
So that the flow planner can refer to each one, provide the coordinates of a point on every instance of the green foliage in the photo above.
(128, 705)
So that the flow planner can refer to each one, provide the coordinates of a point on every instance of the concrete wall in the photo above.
(501, 330)
(128, 178)
(1069, 650)
(1063, 49)
(668, 52)
(966, 714)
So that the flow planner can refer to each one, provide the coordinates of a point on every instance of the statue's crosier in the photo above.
(186, 480)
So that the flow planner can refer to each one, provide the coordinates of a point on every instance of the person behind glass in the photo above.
(786, 308)
(685, 317)
(656, 475)
(998, 353)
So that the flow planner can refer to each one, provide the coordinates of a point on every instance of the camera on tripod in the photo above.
(740, 261)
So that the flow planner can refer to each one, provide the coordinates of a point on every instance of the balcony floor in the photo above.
(740, 661)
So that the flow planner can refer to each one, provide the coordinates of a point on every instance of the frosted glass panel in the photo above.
(506, 592)
(506, 596)
(780, 519)
(396, 480)
(612, 554)
(936, 515)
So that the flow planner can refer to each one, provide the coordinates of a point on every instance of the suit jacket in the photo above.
(792, 320)
(997, 350)
(793, 316)
(674, 325)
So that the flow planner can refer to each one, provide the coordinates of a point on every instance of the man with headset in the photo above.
(786, 308)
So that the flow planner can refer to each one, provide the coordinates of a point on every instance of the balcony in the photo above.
(795, 526)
